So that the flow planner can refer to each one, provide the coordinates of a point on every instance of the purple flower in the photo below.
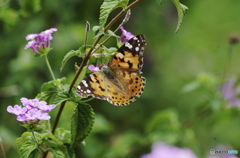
(126, 36)
(40, 43)
(230, 92)
(94, 68)
(31, 111)
(162, 150)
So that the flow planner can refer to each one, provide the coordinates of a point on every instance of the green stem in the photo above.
(2, 151)
(49, 67)
(36, 140)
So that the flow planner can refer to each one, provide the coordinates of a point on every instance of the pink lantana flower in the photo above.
(40, 43)
(31, 111)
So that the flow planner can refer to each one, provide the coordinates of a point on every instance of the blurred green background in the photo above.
(181, 105)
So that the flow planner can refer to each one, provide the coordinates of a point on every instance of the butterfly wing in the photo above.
(129, 56)
(125, 67)
(99, 86)
(134, 84)
(93, 85)
(127, 63)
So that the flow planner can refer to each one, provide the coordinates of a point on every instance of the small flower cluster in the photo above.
(32, 110)
(40, 43)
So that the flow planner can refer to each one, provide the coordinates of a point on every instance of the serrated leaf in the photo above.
(107, 7)
(61, 97)
(27, 146)
(54, 84)
(28, 150)
(55, 146)
(181, 10)
(50, 89)
(82, 122)
(46, 96)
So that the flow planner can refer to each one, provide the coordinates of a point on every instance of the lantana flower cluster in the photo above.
(31, 111)
(40, 43)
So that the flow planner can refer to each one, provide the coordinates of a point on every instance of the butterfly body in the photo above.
(120, 81)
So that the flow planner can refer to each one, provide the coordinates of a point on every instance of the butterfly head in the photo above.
(107, 71)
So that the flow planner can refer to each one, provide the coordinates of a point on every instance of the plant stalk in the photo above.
(49, 67)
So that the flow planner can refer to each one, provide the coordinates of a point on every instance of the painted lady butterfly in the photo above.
(120, 81)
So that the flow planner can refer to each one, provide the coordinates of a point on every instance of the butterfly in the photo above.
(120, 81)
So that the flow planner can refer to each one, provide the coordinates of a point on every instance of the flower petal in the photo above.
(94, 68)
(31, 36)
(126, 36)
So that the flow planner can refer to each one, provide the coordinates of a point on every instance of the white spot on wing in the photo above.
(128, 45)
(85, 83)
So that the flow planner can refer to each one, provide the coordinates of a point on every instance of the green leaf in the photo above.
(98, 31)
(182, 10)
(63, 135)
(54, 145)
(27, 147)
(46, 96)
(61, 97)
(111, 33)
(51, 89)
(54, 84)
(82, 122)
(107, 7)
(69, 55)
(80, 53)
(95, 28)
